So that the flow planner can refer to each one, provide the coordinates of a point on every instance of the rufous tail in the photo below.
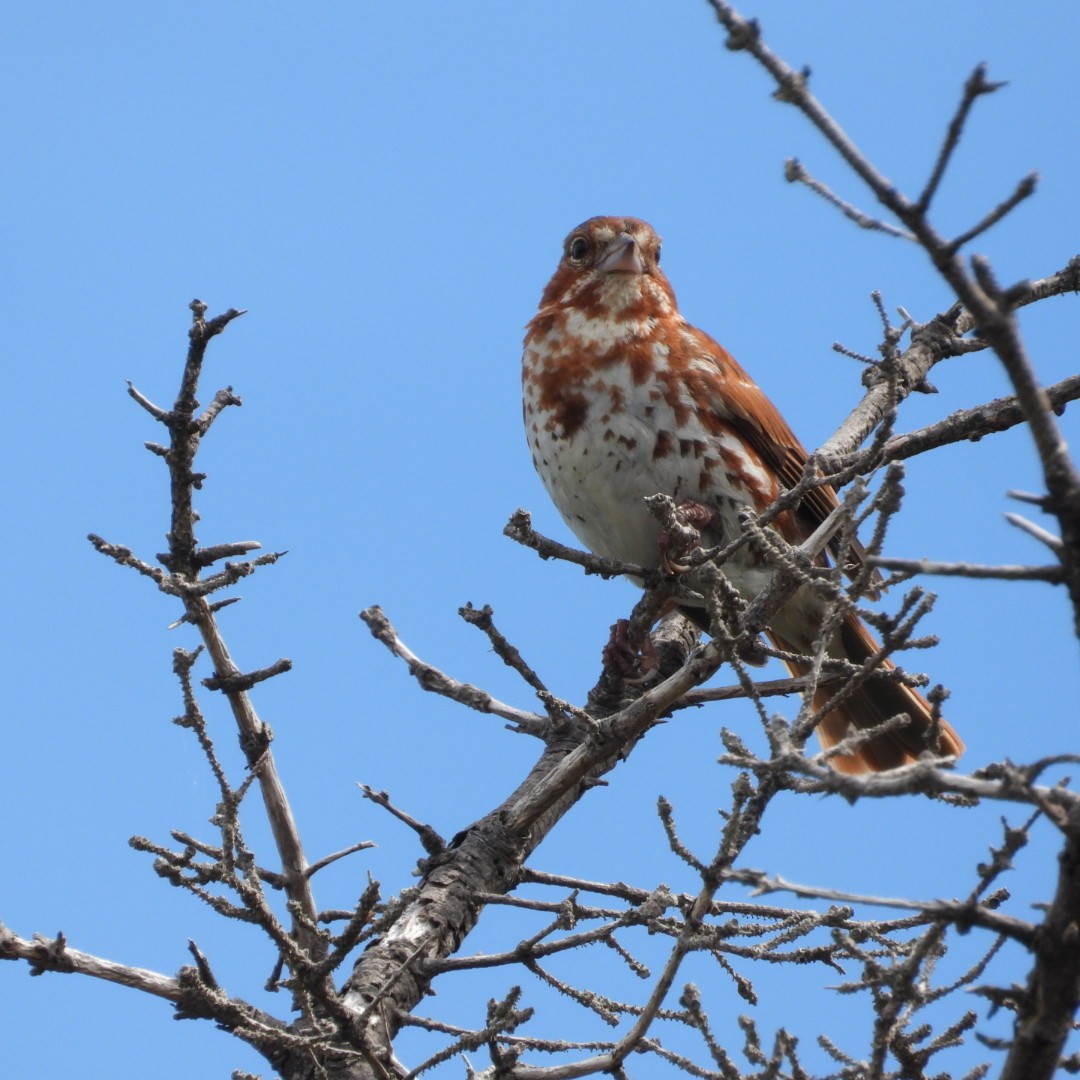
(874, 702)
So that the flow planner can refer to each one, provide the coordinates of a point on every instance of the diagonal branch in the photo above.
(190, 992)
(438, 682)
(795, 173)
(43, 954)
(972, 424)
(1024, 190)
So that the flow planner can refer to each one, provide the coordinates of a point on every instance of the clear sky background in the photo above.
(385, 186)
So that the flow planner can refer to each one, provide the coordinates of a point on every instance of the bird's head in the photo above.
(610, 265)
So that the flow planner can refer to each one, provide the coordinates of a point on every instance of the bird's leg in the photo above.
(682, 524)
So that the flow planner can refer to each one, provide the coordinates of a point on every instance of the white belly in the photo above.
(625, 450)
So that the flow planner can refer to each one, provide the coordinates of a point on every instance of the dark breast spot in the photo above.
(688, 447)
(568, 415)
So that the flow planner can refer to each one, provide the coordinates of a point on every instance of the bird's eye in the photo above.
(657, 254)
(578, 249)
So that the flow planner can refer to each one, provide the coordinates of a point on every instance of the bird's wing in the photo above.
(743, 404)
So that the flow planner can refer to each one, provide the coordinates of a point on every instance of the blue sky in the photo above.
(385, 187)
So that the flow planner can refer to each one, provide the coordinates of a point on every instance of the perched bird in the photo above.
(623, 399)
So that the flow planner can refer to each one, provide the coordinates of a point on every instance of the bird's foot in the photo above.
(684, 535)
(753, 653)
(632, 664)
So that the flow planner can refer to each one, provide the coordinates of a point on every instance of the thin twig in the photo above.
(1024, 190)
(975, 86)
(519, 528)
(1051, 574)
(964, 914)
(327, 860)
(1054, 543)
(483, 620)
(433, 843)
(795, 172)
(438, 682)
(770, 688)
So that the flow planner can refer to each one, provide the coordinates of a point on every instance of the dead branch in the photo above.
(1051, 574)
(432, 679)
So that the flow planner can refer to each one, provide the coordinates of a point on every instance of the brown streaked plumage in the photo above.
(623, 398)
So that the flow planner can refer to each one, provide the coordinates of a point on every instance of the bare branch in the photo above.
(482, 619)
(45, 954)
(185, 564)
(1054, 543)
(1051, 574)
(965, 914)
(125, 557)
(222, 400)
(534, 949)
(429, 837)
(519, 528)
(795, 172)
(155, 411)
(1000, 414)
(770, 688)
(327, 860)
(975, 87)
(437, 682)
(1024, 190)
(246, 680)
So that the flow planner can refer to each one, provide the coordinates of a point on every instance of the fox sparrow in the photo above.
(623, 399)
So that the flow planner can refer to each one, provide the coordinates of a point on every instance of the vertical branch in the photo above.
(255, 736)
(186, 433)
(185, 561)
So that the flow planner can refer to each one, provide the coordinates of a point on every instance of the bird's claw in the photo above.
(633, 665)
(683, 536)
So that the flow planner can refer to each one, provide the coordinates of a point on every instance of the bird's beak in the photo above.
(621, 256)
